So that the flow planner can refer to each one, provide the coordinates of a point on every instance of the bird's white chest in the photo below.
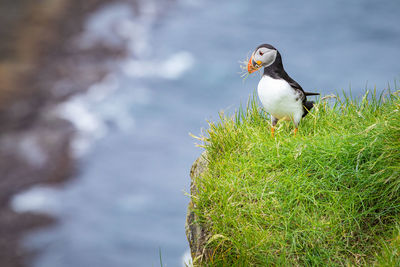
(279, 98)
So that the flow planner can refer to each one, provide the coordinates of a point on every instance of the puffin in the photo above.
(282, 97)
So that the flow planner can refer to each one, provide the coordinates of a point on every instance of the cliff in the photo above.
(328, 196)
(195, 230)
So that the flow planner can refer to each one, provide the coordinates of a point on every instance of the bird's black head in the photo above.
(263, 56)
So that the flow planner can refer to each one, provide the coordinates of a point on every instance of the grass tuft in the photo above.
(329, 196)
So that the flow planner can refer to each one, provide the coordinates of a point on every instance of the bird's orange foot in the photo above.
(295, 131)
(272, 131)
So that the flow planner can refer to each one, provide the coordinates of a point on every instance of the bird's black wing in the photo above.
(297, 87)
(307, 105)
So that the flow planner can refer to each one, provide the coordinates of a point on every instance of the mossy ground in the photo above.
(326, 197)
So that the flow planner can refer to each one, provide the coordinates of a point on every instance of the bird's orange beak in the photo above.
(250, 67)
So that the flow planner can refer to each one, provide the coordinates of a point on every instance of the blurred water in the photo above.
(128, 202)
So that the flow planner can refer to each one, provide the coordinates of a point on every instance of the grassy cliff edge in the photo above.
(329, 196)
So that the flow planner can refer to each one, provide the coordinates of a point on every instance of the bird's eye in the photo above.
(261, 53)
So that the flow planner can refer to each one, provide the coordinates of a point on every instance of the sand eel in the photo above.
(282, 97)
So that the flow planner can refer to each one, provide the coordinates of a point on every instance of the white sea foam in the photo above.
(175, 66)
(87, 124)
(172, 68)
(102, 26)
(117, 25)
(37, 199)
(89, 120)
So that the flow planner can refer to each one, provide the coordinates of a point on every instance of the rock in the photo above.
(195, 231)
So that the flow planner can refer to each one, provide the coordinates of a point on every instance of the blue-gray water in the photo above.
(127, 203)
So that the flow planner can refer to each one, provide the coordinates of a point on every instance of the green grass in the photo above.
(326, 197)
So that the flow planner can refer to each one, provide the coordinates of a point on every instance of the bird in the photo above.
(282, 97)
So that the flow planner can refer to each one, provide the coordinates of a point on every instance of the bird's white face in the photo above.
(262, 57)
